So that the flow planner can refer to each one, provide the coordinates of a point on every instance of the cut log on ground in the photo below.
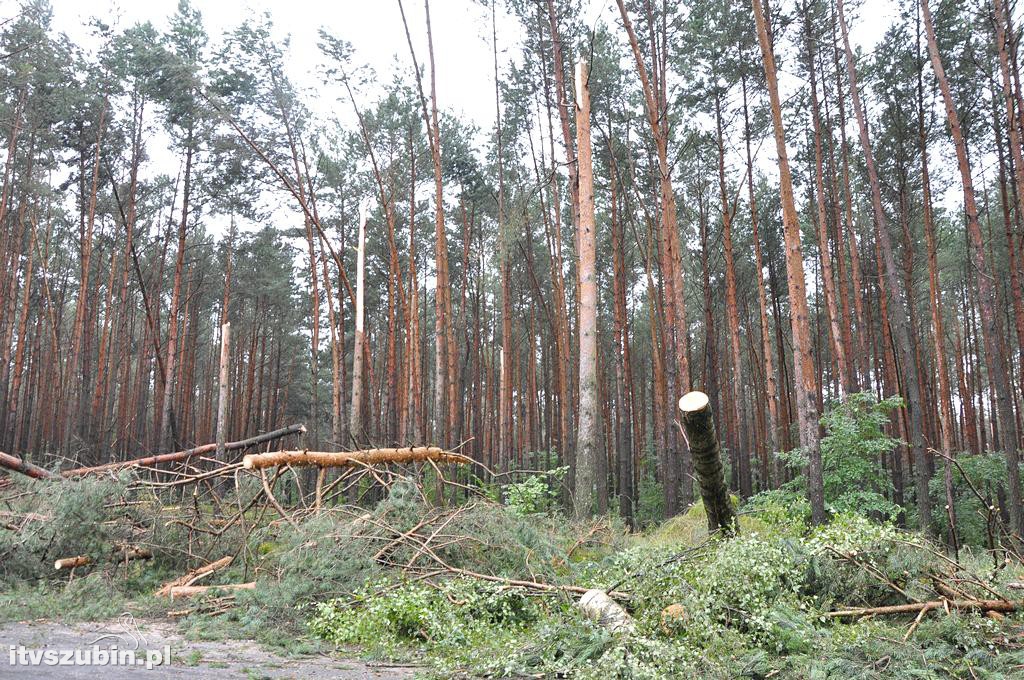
(179, 456)
(416, 454)
(72, 562)
(699, 426)
(191, 591)
(133, 553)
(124, 554)
(24, 467)
(1002, 606)
(606, 612)
(194, 575)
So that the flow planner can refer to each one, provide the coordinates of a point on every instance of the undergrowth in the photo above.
(750, 606)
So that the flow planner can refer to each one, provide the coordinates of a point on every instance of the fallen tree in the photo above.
(24, 467)
(191, 591)
(194, 575)
(18, 465)
(179, 456)
(127, 553)
(412, 454)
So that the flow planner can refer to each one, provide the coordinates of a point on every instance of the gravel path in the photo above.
(189, 659)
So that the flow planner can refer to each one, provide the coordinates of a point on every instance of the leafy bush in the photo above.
(853, 480)
(781, 510)
(537, 493)
(987, 472)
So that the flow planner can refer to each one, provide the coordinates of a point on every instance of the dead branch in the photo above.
(1004, 606)
(179, 456)
(194, 575)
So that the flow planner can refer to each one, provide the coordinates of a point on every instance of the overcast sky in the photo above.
(462, 45)
(461, 28)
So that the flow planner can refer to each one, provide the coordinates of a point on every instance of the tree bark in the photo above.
(803, 366)
(587, 437)
(994, 359)
(899, 310)
(701, 437)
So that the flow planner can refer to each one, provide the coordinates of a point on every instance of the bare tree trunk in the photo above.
(938, 331)
(675, 331)
(803, 366)
(771, 388)
(737, 407)
(588, 436)
(900, 310)
(994, 359)
(222, 397)
(356, 418)
(831, 296)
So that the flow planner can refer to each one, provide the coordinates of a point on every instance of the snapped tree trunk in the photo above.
(701, 437)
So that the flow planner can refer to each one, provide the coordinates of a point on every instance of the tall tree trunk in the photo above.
(588, 436)
(831, 296)
(771, 388)
(899, 309)
(994, 358)
(675, 331)
(356, 417)
(803, 366)
(738, 405)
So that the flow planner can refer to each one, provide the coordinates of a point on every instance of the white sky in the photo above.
(462, 35)
(462, 46)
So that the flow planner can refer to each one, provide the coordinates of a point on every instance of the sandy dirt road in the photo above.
(188, 658)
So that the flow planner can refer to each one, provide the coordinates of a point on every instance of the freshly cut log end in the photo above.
(606, 612)
(673, 617)
(691, 402)
(702, 438)
(72, 562)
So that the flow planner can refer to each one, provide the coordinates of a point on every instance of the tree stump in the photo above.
(699, 427)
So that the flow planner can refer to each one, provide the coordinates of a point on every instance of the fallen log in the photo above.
(72, 562)
(606, 612)
(124, 554)
(413, 454)
(133, 553)
(1002, 606)
(24, 467)
(178, 456)
(194, 575)
(189, 591)
(699, 427)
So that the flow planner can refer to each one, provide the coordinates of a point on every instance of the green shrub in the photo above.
(72, 518)
(537, 493)
(850, 450)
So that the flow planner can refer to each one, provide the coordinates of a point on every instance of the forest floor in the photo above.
(201, 659)
(492, 586)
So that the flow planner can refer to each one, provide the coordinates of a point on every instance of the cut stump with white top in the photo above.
(699, 427)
